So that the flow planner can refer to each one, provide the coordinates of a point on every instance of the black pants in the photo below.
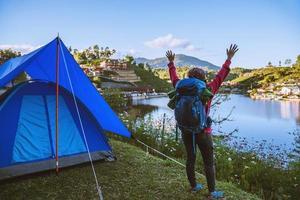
(205, 144)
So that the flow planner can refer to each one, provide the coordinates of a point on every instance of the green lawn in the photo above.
(134, 175)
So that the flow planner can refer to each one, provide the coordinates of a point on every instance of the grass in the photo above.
(134, 175)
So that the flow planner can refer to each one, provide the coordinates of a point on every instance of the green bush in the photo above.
(150, 79)
(115, 99)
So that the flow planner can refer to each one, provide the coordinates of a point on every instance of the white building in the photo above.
(290, 90)
(259, 90)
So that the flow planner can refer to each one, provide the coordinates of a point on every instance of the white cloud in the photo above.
(169, 41)
(132, 52)
(192, 48)
(23, 48)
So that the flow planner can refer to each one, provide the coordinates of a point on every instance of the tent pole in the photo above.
(56, 107)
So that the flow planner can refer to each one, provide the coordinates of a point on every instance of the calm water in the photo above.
(254, 119)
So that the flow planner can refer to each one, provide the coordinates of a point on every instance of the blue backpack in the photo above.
(189, 110)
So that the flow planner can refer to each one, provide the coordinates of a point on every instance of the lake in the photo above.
(255, 119)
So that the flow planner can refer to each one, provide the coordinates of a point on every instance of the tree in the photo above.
(6, 54)
(106, 53)
(297, 63)
(287, 62)
(279, 73)
(115, 99)
(93, 55)
(82, 58)
(269, 79)
(96, 51)
(269, 64)
(128, 59)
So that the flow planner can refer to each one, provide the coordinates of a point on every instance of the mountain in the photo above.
(180, 60)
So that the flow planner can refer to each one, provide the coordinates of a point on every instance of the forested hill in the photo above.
(263, 77)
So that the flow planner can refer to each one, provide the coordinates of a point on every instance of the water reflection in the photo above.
(141, 110)
(290, 110)
(284, 110)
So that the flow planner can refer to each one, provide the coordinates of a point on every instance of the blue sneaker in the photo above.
(217, 194)
(197, 188)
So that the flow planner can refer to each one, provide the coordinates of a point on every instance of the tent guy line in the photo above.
(162, 154)
(82, 129)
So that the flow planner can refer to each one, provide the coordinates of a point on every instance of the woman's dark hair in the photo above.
(197, 73)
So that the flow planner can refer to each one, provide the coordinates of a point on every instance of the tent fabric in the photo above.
(44, 165)
(37, 124)
(28, 134)
(32, 138)
(70, 140)
(41, 64)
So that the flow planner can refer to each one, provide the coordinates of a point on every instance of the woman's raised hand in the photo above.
(231, 51)
(170, 55)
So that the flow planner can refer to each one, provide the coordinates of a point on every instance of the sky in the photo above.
(265, 30)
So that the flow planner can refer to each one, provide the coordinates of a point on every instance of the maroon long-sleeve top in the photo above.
(214, 85)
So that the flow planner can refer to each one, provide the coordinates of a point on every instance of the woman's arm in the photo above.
(220, 77)
(222, 74)
(172, 69)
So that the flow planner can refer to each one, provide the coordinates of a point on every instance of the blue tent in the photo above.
(27, 114)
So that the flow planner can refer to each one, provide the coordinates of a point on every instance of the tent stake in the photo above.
(57, 93)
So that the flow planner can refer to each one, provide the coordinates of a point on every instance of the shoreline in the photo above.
(147, 96)
(260, 97)
(275, 99)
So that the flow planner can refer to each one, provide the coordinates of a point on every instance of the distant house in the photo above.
(85, 68)
(296, 90)
(90, 70)
(229, 83)
(114, 64)
(247, 74)
(226, 83)
(272, 86)
(110, 65)
(260, 90)
(290, 90)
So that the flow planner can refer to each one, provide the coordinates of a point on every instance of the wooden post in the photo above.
(176, 132)
(163, 130)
